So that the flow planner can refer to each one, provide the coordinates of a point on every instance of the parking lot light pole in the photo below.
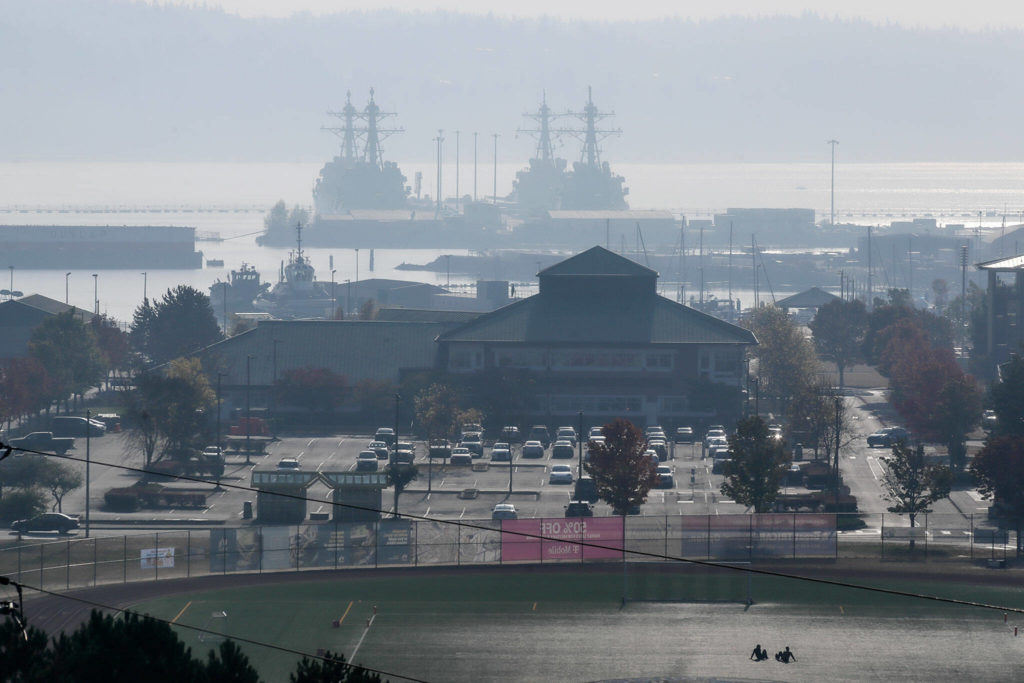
(88, 459)
(220, 448)
(397, 400)
(579, 442)
(248, 418)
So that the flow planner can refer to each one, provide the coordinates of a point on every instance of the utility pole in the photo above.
(836, 471)
(248, 418)
(457, 198)
(962, 332)
(832, 218)
(439, 139)
(730, 265)
(474, 165)
(88, 461)
(870, 297)
(496, 169)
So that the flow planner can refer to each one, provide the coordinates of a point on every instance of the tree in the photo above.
(1007, 397)
(112, 342)
(437, 410)
(839, 328)
(276, 219)
(912, 484)
(757, 466)
(399, 476)
(999, 470)
(937, 329)
(61, 479)
(374, 398)
(167, 410)
(368, 311)
(67, 349)
(22, 503)
(786, 359)
(622, 474)
(181, 323)
(332, 668)
(26, 387)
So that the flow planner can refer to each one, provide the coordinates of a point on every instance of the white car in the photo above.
(653, 455)
(560, 474)
(595, 432)
(288, 464)
(533, 449)
(504, 511)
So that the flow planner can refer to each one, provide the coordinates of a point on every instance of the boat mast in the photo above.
(298, 239)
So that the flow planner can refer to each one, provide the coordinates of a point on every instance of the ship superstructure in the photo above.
(359, 178)
(297, 293)
(546, 185)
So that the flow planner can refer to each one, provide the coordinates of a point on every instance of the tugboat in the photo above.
(237, 295)
(297, 294)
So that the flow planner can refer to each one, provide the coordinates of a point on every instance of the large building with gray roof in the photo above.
(599, 338)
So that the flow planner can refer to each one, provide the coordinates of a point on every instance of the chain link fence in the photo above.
(73, 563)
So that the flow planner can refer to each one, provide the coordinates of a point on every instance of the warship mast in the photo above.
(375, 135)
(543, 117)
(347, 132)
(591, 134)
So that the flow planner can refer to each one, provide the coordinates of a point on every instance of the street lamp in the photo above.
(96, 294)
(334, 298)
(66, 276)
(273, 388)
(10, 292)
(357, 278)
(220, 447)
(248, 418)
(145, 278)
(348, 298)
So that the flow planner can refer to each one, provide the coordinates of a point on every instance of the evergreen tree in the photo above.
(757, 466)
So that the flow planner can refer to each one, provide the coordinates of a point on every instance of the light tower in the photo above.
(832, 214)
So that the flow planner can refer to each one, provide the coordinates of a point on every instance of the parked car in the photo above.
(471, 428)
(366, 461)
(660, 447)
(665, 478)
(380, 448)
(721, 459)
(888, 436)
(385, 434)
(579, 508)
(775, 432)
(684, 435)
(504, 511)
(501, 454)
(476, 447)
(539, 433)
(654, 430)
(653, 455)
(585, 489)
(461, 456)
(510, 433)
(563, 449)
(560, 474)
(291, 464)
(989, 420)
(566, 434)
(713, 434)
(50, 521)
(67, 425)
(404, 453)
(44, 441)
(533, 449)
(595, 432)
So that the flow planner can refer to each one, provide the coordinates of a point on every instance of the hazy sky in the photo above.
(978, 14)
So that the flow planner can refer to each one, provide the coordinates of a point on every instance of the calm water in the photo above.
(230, 200)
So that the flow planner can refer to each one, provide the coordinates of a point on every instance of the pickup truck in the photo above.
(44, 441)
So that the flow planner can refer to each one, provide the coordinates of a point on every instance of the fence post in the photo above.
(883, 535)
(416, 546)
(41, 565)
(67, 565)
(19, 561)
(188, 553)
(458, 546)
(95, 560)
(750, 538)
(259, 538)
(124, 559)
(156, 559)
(298, 550)
(926, 536)
(794, 535)
(972, 536)
(335, 542)
(376, 541)
(666, 536)
(708, 534)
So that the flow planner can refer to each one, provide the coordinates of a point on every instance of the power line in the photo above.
(206, 631)
(581, 542)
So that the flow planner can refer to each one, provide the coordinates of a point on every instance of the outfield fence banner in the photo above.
(556, 539)
(74, 562)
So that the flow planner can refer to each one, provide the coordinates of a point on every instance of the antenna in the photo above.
(832, 218)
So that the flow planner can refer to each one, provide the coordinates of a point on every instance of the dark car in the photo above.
(510, 434)
(539, 433)
(888, 436)
(585, 489)
(684, 435)
(579, 508)
(385, 434)
(562, 449)
(50, 521)
(367, 461)
(475, 447)
(67, 425)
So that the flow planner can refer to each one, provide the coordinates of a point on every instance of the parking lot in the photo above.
(440, 491)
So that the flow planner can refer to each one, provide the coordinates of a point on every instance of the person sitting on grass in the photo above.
(787, 656)
(758, 655)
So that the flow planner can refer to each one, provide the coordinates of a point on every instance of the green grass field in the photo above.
(544, 624)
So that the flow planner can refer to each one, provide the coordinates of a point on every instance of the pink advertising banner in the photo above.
(520, 539)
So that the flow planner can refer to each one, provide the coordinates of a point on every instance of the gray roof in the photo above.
(423, 315)
(1011, 263)
(598, 261)
(547, 320)
(356, 349)
(815, 297)
(45, 303)
(625, 214)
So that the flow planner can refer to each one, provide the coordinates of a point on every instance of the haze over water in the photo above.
(230, 200)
